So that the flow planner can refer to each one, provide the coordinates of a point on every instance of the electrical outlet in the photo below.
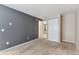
(7, 42)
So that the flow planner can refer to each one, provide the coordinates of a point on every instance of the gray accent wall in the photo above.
(16, 27)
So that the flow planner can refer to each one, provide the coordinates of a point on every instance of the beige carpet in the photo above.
(42, 47)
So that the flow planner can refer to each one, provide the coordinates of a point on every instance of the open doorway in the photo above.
(43, 29)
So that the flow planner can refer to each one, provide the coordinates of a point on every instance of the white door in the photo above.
(68, 27)
(54, 30)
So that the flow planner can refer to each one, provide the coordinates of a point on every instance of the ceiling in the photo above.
(44, 11)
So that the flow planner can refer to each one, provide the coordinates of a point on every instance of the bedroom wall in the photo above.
(16, 27)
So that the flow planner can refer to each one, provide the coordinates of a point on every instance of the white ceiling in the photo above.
(44, 11)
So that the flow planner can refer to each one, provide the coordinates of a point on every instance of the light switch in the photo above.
(2, 30)
(10, 23)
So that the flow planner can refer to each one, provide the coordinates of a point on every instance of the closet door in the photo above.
(54, 30)
(68, 27)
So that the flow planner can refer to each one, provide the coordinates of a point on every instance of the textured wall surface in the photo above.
(16, 27)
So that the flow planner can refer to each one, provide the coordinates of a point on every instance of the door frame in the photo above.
(59, 27)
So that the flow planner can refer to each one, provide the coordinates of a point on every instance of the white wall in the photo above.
(68, 27)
